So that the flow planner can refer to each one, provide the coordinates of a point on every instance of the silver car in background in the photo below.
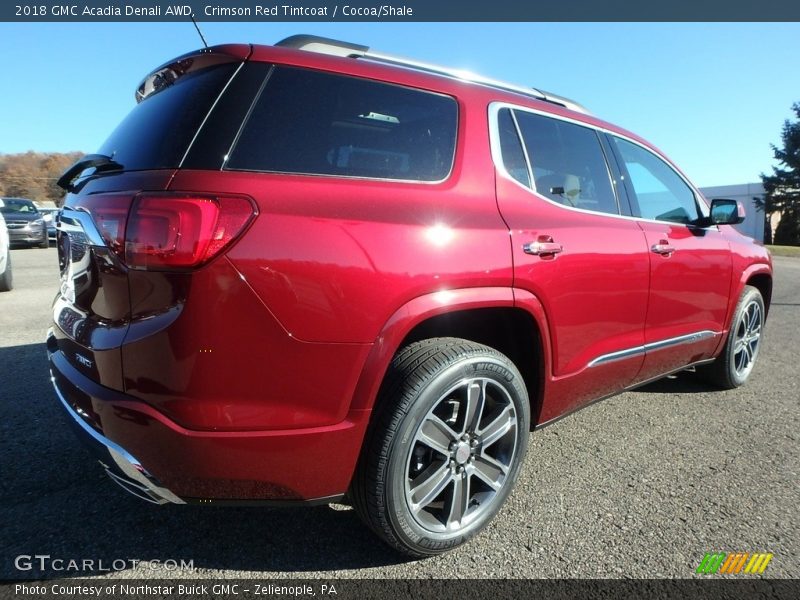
(26, 225)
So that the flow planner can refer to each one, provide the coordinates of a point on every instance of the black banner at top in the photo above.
(399, 10)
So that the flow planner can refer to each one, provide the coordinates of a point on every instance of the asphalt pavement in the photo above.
(641, 485)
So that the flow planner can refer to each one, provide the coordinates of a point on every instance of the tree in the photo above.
(34, 174)
(52, 166)
(783, 186)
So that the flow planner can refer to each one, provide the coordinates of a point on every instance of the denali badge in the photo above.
(83, 360)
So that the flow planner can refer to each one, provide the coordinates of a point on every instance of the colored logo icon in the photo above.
(734, 562)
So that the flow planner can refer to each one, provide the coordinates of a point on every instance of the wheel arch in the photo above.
(762, 280)
(758, 275)
(488, 316)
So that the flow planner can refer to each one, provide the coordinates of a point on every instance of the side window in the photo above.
(321, 123)
(511, 148)
(659, 191)
(568, 163)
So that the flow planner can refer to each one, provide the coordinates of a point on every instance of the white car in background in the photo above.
(5, 257)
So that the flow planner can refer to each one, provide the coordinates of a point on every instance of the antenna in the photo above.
(200, 33)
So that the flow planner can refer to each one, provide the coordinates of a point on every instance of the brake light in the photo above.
(110, 214)
(169, 231)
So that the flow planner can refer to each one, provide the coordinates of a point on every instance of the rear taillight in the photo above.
(169, 231)
(110, 214)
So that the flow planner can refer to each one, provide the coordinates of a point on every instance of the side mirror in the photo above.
(726, 212)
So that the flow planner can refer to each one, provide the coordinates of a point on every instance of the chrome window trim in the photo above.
(521, 143)
(615, 185)
(688, 338)
(702, 208)
(347, 177)
(497, 158)
(529, 165)
(208, 114)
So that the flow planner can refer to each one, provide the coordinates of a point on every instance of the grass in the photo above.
(784, 250)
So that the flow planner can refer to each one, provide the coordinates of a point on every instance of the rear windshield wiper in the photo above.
(100, 162)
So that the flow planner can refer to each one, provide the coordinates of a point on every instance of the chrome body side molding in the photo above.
(689, 338)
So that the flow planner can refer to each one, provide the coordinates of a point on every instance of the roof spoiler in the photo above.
(168, 73)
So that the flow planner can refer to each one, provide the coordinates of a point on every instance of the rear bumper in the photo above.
(119, 464)
(160, 461)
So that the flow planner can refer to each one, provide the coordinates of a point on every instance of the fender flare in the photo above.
(755, 269)
(736, 291)
(421, 308)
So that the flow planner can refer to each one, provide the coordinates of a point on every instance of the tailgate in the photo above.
(93, 308)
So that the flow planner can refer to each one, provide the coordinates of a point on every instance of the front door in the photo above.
(690, 265)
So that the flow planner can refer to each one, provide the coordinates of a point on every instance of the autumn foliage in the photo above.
(33, 174)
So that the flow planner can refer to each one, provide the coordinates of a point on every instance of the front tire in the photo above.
(733, 366)
(445, 447)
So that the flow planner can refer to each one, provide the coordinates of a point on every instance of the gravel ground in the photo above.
(641, 485)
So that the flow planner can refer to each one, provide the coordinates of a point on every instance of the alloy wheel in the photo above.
(748, 335)
(461, 456)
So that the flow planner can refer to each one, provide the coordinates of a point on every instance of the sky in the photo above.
(712, 96)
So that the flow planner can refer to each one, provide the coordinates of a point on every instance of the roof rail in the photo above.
(323, 45)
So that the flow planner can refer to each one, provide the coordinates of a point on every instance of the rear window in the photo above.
(309, 122)
(157, 132)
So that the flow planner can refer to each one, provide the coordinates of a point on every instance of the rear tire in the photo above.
(733, 366)
(445, 446)
(6, 279)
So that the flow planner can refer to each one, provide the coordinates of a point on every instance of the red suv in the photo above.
(310, 271)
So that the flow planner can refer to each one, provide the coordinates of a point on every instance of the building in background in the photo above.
(747, 194)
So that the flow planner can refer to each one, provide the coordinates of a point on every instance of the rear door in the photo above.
(690, 265)
(572, 249)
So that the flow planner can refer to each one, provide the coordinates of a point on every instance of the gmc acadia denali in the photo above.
(313, 271)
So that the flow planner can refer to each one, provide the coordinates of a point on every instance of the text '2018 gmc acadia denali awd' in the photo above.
(309, 270)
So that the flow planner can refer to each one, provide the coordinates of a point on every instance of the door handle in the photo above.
(663, 247)
(543, 246)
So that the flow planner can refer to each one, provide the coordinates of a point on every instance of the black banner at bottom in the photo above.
(345, 589)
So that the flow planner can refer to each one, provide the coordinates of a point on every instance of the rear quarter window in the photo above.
(310, 122)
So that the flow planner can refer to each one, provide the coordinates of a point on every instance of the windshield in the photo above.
(16, 205)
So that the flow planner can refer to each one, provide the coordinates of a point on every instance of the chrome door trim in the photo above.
(618, 355)
(689, 338)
